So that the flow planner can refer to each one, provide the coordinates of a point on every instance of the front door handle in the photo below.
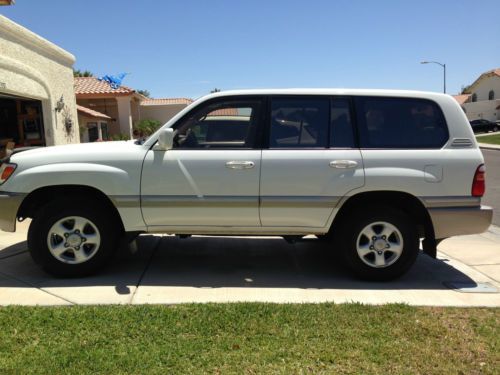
(240, 164)
(343, 164)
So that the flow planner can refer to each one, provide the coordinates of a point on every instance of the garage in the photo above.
(21, 122)
(37, 98)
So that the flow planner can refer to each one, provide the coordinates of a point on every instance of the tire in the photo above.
(495, 128)
(73, 237)
(377, 258)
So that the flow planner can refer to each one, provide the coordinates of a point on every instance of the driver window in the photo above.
(230, 124)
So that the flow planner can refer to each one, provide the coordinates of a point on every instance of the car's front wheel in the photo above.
(379, 243)
(71, 238)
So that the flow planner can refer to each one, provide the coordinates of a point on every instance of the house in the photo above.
(120, 105)
(123, 107)
(162, 109)
(93, 124)
(481, 100)
(37, 98)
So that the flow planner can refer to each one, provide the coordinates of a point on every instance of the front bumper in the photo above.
(456, 221)
(9, 206)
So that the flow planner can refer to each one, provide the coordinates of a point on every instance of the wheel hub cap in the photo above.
(380, 244)
(74, 240)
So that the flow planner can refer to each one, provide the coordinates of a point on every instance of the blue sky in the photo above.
(186, 48)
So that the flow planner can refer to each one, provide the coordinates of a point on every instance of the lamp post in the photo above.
(444, 71)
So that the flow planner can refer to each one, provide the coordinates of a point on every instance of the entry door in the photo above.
(311, 163)
(211, 177)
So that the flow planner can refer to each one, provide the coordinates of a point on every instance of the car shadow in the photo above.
(218, 262)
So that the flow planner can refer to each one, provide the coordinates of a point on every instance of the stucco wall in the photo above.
(483, 87)
(33, 67)
(162, 113)
(486, 109)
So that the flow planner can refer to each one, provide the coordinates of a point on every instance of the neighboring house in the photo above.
(482, 98)
(93, 125)
(162, 109)
(121, 105)
(37, 99)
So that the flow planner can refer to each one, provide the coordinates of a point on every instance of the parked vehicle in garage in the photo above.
(484, 126)
(371, 171)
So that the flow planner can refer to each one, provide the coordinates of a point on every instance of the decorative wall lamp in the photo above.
(60, 104)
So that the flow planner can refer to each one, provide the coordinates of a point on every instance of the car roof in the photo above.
(329, 91)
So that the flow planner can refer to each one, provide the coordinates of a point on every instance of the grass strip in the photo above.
(490, 139)
(249, 338)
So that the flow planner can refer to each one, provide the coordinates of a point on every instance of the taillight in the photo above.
(478, 184)
(6, 170)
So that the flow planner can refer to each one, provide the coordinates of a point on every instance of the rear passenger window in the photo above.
(400, 123)
(341, 131)
(299, 122)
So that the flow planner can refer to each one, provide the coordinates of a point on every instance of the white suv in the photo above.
(371, 171)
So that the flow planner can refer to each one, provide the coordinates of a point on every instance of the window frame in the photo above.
(360, 123)
(260, 99)
(266, 135)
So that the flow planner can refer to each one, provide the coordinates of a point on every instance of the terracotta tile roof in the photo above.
(91, 85)
(91, 113)
(224, 112)
(461, 99)
(166, 101)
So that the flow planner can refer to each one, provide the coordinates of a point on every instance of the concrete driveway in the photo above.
(168, 270)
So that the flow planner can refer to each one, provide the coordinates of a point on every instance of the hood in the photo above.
(81, 152)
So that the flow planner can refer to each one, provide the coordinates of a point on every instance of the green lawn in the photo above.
(492, 139)
(249, 339)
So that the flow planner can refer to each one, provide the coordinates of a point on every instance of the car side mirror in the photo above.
(165, 140)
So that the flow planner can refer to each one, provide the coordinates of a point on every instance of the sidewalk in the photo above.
(489, 146)
(169, 270)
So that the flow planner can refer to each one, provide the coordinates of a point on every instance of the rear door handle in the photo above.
(240, 164)
(343, 164)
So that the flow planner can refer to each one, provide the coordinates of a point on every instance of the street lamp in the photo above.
(444, 71)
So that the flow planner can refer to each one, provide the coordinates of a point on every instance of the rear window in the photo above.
(400, 123)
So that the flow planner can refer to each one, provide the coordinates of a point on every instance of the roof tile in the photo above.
(90, 112)
(91, 85)
(166, 101)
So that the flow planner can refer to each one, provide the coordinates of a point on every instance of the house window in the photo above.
(93, 131)
(491, 95)
(474, 97)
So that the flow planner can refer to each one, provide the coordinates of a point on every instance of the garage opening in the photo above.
(21, 122)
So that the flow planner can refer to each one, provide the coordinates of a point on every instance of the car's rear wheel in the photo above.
(379, 243)
(71, 238)
(496, 128)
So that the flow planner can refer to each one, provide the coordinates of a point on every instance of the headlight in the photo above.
(6, 170)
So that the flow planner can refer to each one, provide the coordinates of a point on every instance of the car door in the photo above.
(312, 160)
(211, 176)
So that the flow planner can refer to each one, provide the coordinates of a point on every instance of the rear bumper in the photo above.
(9, 206)
(455, 221)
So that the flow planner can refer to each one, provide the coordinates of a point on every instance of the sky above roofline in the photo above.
(187, 48)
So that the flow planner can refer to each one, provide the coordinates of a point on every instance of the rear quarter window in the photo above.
(400, 123)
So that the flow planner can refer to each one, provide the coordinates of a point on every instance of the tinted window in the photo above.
(230, 124)
(299, 122)
(400, 123)
(341, 131)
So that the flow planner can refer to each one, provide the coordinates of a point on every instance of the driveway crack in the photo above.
(155, 249)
